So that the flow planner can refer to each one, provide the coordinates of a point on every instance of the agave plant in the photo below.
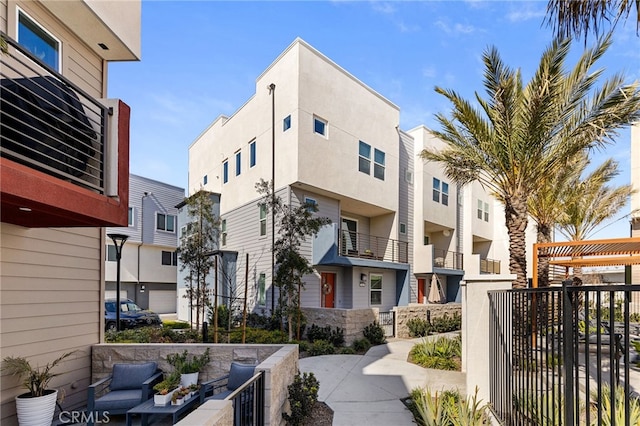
(619, 404)
(35, 379)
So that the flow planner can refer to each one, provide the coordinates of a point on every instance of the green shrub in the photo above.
(418, 327)
(445, 323)
(303, 395)
(442, 353)
(447, 408)
(361, 345)
(336, 337)
(257, 335)
(374, 333)
(321, 347)
(175, 325)
(616, 407)
(347, 351)
(223, 317)
(153, 335)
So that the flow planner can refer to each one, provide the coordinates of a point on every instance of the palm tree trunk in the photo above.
(544, 236)
(516, 219)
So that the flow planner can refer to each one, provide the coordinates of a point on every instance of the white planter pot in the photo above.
(36, 411)
(187, 380)
(163, 399)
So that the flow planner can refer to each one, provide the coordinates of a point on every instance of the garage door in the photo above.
(162, 301)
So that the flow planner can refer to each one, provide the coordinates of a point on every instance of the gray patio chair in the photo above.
(223, 386)
(127, 386)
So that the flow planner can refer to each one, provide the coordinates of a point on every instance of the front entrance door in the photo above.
(328, 289)
(421, 287)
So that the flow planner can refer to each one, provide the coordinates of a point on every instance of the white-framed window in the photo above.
(165, 222)
(169, 258)
(311, 202)
(286, 123)
(225, 171)
(483, 211)
(238, 163)
(262, 290)
(440, 191)
(378, 164)
(37, 40)
(132, 216)
(223, 231)
(111, 253)
(479, 211)
(252, 153)
(408, 176)
(364, 157)
(375, 289)
(319, 126)
(263, 219)
(486, 212)
(403, 228)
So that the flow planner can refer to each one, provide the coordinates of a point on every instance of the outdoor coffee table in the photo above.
(148, 407)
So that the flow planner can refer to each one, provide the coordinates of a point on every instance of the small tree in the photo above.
(195, 249)
(296, 224)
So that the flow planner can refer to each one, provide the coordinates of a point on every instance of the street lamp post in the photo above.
(118, 241)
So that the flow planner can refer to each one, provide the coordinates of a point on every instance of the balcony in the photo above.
(64, 154)
(364, 246)
(489, 266)
(428, 258)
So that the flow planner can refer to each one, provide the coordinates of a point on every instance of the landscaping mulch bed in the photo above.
(321, 415)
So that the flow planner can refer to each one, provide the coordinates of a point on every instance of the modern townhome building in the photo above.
(337, 145)
(397, 224)
(148, 271)
(64, 171)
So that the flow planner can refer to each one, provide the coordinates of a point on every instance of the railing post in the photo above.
(567, 339)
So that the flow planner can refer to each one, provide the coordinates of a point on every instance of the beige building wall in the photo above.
(51, 279)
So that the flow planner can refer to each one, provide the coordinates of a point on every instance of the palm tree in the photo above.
(587, 203)
(545, 207)
(522, 134)
(575, 17)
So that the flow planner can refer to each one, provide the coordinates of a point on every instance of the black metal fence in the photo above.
(387, 321)
(565, 355)
(248, 402)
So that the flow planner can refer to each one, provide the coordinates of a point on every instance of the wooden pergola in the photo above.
(608, 252)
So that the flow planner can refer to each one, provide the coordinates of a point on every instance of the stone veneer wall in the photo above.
(280, 363)
(414, 310)
(353, 321)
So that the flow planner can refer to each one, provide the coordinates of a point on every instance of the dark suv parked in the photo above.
(131, 315)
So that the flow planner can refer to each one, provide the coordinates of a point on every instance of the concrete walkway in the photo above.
(366, 389)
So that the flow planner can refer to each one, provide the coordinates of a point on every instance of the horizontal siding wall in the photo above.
(49, 304)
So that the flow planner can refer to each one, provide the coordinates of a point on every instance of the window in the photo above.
(408, 176)
(223, 229)
(403, 228)
(440, 192)
(165, 222)
(378, 166)
(375, 289)
(238, 163)
(205, 179)
(480, 209)
(262, 291)
(312, 205)
(486, 212)
(38, 41)
(286, 123)
(225, 171)
(483, 211)
(364, 158)
(426, 240)
(111, 253)
(169, 258)
(131, 216)
(445, 193)
(320, 126)
(252, 153)
(263, 220)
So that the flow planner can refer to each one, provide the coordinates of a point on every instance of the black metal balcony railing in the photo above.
(489, 266)
(447, 259)
(353, 244)
(248, 402)
(47, 122)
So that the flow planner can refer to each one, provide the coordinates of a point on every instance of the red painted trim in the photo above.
(58, 203)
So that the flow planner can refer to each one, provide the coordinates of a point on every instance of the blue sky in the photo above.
(200, 59)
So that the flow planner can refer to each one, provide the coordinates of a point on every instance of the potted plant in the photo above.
(188, 366)
(166, 389)
(36, 406)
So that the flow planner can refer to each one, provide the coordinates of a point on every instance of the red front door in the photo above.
(421, 286)
(328, 289)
